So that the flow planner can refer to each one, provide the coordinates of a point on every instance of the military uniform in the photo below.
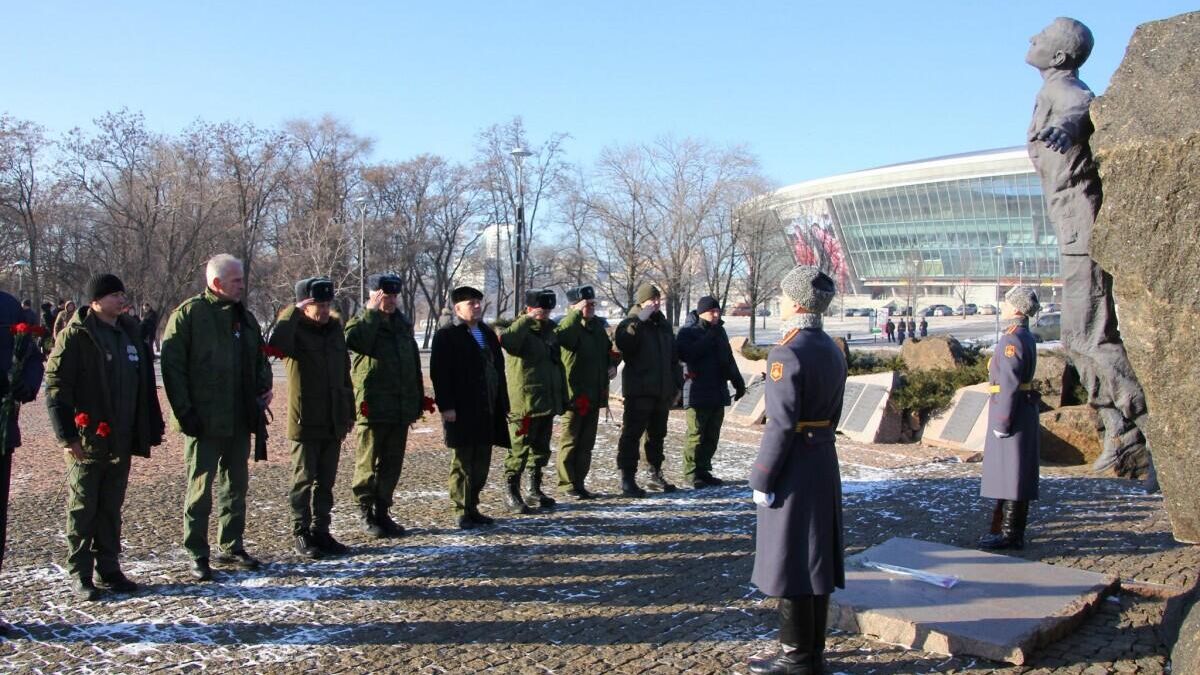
(320, 412)
(537, 391)
(28, 384)
(100, 392)
(704, 348)
(468, 378)
(587, 356)
(650, 382)
(796, 477)
(214, 371)
(1012, 447)
(388, 390)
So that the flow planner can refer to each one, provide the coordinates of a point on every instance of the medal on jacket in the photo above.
(237, 330)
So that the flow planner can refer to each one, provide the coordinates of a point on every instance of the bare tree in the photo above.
(497, 171)
(26, 194)
(766, 255)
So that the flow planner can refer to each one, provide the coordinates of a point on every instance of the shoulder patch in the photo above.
(788, 337)
(776, 371)
(1010, 351)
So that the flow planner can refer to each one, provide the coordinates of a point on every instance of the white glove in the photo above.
(764, 499)
(1000, 435)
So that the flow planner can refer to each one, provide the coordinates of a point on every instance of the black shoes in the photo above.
(327, 545)
(5, 628)
(797, 626)
(200, 570)
(117, 582)
(366, 518)
(534, 489)
(655, 480)
(629, 486)
(85, 590)
(384, 522)
(480, 519)
(238, 558)
(465, 522)
(580, 492)
(306, 547)
(512, 496)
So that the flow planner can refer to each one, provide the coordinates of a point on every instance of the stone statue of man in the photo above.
(1058, 145)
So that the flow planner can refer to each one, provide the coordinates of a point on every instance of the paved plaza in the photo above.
(658, 585)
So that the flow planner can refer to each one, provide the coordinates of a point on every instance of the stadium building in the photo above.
(943, 230)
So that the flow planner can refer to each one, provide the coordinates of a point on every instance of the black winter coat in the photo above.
(705, 351)
(456, 368)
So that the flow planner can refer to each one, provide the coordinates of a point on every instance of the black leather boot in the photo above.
(389, 527)
(993, 535)
(1012, 528)
(795, 640)
(366, 518)
(820, 622)
(534, 489)
(656, 481)
(512, 498)
(629, 486)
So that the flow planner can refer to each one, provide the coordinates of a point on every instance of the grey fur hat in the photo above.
(1023, 299)
(809, 287)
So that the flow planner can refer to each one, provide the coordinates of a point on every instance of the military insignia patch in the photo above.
(1010, 351)
(776, 372)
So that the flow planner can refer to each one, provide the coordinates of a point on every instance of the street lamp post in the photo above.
(519, 154)
(1021, 272)
(361, 203)
(999, 259)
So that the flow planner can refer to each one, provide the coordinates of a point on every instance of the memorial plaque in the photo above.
(865, 407)
(745, 407)
(966, 413)
(849, 397)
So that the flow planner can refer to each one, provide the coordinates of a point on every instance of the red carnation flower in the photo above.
(82, 420)
(362, 409)
(427, 405)
(524, 428)
(20, 328)
(583, 405)
(272, 352)
(102, 430)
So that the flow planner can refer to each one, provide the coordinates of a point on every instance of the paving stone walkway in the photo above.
(659, 585)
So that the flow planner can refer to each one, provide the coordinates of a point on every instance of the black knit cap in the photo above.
(465, 293)
(102, 285)
(706, 303)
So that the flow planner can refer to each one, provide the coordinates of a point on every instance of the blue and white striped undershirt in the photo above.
(477, 333)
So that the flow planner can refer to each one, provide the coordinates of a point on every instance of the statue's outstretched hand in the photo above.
(1056, 139)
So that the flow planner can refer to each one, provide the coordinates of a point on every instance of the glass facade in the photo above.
(950, 229)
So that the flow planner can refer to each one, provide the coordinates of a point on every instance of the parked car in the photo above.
(1051, 307)
(850, 311)
(1047, 327)
(764, 312)
(988, 309)
(936, 310)
(968, 309)
(740, 309)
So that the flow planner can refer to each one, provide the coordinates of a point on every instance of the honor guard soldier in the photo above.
(218, 380)
(590, 364)
(320, 410)
(21, 387)
(704, 347)
(796, 480)
(103, 404)
(388, 391)
(650, 384)
(1012, 447)
(466, 366)
(537, 391)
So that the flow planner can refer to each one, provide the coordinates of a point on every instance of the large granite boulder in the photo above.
(1147, 142)
(1055, 379)
(1071, 435)
(932, 353)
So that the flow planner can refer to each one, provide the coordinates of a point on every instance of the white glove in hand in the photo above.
(764, 498)
(1000, 435)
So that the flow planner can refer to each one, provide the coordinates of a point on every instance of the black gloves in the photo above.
(190, 424)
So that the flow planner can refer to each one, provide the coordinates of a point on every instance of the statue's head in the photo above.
(1063, 45)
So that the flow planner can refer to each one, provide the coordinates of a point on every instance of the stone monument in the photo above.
(1148, 147)
(1058, 145)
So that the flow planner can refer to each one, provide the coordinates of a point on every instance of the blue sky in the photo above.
(813, 88)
